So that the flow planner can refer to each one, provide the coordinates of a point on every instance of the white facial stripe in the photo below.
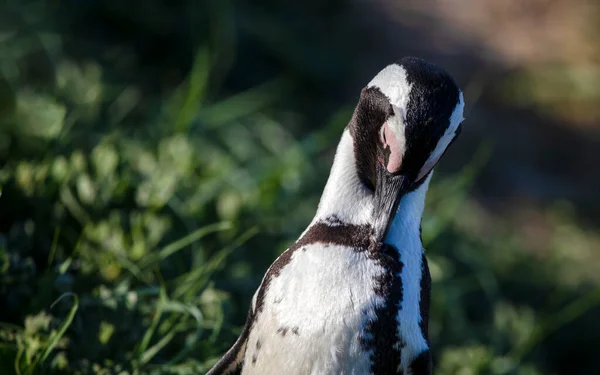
(397, 126)
(455, 119)
(392, 82)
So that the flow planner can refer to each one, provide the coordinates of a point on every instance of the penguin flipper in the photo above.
(233, 361)
(422, 365)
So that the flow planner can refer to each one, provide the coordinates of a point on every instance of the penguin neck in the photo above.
(345, 197)
(405, 229)
(348, 200)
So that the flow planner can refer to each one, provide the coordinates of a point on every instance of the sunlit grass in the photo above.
(142, 223)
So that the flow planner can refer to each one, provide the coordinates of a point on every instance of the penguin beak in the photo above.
(389, 190)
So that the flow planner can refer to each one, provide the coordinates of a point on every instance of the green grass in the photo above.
(136, 222)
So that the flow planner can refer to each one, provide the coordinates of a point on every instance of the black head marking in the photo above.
(371, 113)
(433, 98)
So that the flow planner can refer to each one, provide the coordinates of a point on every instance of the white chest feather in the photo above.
(404, 235)
(313, 314)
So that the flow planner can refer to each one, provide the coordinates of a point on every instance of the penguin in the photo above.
(351, 295)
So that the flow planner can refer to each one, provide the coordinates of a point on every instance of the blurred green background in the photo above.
(156, 156)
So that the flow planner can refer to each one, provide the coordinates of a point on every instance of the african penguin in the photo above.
(351, 295)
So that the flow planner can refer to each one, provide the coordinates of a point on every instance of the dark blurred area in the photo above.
(156, 156)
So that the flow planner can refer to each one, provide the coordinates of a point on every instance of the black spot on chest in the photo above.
(284, 330)
(256, 350)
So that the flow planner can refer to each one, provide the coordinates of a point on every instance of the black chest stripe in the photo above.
(381, 335)
(425, 296)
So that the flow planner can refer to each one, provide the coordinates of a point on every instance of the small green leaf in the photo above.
(106, 331)
(39, 115)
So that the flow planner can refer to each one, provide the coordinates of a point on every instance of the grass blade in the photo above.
(180, 244)
(56, 336)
